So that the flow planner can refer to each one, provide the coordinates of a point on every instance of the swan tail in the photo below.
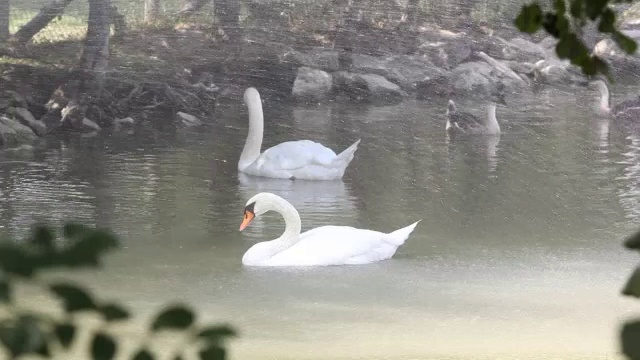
(344, 158)
(399, 236)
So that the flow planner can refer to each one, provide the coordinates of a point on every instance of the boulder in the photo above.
(188, 119)
(370, 87)
(311, 84)
(328, 60)
(26, 118)
(446, 54)
(13, 133)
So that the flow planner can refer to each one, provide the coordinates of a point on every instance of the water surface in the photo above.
(518, 255)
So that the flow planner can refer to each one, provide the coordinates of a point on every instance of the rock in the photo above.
(370, 87)
(4, 103)
(188, 119)
(311, 84)
(90, 125)
(473, 78)
(439, 86)
(328, 60)
(13, 133)
(351, 85)
(548, 43)
(404, 70)
(26, 118)
(446, 54)
(382, 90)
(407, 71)
(536, 51)
(124, 123)
(518, 49)
(369, 64)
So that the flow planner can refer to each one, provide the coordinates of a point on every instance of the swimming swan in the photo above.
(463, 122)
(628, 110)
(322, 246)
(302, 159)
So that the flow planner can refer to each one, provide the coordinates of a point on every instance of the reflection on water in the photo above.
(326, 202)
(518, 255)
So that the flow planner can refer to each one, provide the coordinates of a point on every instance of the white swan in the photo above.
(627, 110)
(302, 159)
(325, 245)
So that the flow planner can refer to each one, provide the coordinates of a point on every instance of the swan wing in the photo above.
(465, 122)
(292, 155)
(336, 245)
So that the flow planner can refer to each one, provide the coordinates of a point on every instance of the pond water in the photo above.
(519, 253)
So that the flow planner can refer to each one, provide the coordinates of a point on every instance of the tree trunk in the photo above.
(228, 14)
(47, 13)
(151, 11)
(4, 20)
(192, 6)
(85, 83)
(119, 23)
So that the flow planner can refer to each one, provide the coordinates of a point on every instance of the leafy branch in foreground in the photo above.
(566, 24)
(24, 332)
(630, 334)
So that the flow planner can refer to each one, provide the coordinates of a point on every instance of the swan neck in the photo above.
(292, 224)
(492, 121)
(605, 100)
(253, 144)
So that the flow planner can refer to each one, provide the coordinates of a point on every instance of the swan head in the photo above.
(258, 205)
(252, 96)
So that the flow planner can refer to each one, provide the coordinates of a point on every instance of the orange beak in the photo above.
(246, 220)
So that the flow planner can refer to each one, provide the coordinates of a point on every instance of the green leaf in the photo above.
(143, 354)
(630, 336)
(215, 334)
(607, 22)
(22, 336)
(594, 8)
(92, 244)
(530, 18)
(561, 7)
(626, 43)
(5, 290)
(103, 347)
(72, 230)
(632, 288)
(594, 65)
(212, 352)
(633, 241)
(15, 260)
(175, 317)
(44, 350)
(74, 298)
(65, 334)
(113, 312)
(550, 24)
(577, 9)
(44, 237)
(570, 47)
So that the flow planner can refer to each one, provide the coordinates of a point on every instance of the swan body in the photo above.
(322, 246)
(463, 122)
(627, 110)
(302, 159)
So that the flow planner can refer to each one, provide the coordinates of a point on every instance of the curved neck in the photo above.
(264, 251)
(492, 121)
(605, 100)
(252, 145)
